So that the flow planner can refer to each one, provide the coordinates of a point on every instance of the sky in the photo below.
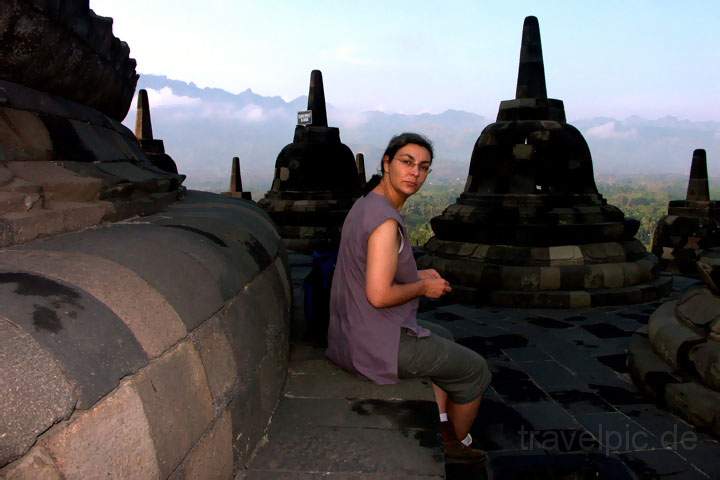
(602, 57)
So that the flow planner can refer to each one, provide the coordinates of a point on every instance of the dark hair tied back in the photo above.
(396, 143)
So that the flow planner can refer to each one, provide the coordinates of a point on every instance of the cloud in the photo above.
(609, 131)
(348, 119)
(250, 113)
(166, 98)
(348, 54)
(180, 107)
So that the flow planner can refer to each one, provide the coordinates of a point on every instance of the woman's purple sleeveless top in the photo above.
(363, 338)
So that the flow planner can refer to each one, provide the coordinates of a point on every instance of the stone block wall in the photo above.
(151, 348)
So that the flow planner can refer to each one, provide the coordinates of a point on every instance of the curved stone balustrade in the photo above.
(677, 360)
(145, 349)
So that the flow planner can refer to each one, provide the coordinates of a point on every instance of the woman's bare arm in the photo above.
(382, 261)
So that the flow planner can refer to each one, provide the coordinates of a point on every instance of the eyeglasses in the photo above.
(423, 168)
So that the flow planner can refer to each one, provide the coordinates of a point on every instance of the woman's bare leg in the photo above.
(462, 415)
(441, 398)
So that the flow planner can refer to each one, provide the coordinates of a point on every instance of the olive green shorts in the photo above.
(460, 372)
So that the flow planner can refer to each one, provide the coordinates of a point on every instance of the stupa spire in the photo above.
(235, 179)
(143, 124)
(531, 70)
(316, 100)
(698, 190)
(360, 163)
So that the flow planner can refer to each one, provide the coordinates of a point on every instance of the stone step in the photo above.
(333, 424)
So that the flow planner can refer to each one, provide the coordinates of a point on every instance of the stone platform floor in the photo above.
(561, 401)
(334, 425)
(561, 405)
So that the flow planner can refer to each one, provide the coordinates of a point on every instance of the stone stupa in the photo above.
(316, 181)
(236, 188)
(531, 228)
(154, 149)
(691, 225)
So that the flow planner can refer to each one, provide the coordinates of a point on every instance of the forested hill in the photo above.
(204, 128)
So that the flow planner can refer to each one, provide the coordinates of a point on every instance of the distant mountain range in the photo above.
(203, 128)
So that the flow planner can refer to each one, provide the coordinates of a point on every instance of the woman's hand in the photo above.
(435, 287)
(429, 273)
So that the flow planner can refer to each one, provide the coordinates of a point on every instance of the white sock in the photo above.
(467, 441)
(443, 417)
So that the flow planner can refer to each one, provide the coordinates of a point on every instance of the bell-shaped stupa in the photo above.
(316, 180)
(530, 228)
(690, 225)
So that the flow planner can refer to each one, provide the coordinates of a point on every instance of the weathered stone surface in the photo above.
(273, 367)
(245, 255)
(99, 142)
(306, 381)
(153, 322)
(20, 185)
(36, 465)
(706, 359)
(696, 403)
(331, 449)
(13, 201)
(57, 183)
(247, 216)
(699, 309)
(133, 173)
(60, 217)
(73, 55)
(92, 346)
(35, 395)
(112, 440)
(708, 267)
(246, 322)
(177, 402)
(248, 427)
(566, 255)
(23, 136)
(171, 260)
(212, 457)
(306, 413)
(6, 175)
(648, 369)
(217, 358)
(671, 339)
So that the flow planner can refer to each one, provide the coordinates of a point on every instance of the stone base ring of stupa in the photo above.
(567, 276)
(676, 359)
(307, 225)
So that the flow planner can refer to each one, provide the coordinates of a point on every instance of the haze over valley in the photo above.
(203, 128)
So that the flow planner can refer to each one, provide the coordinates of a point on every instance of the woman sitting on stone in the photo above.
(376, 288)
